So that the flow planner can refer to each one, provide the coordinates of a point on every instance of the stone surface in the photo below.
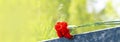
(108, 35)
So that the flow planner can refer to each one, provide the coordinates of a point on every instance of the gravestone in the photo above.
(107, 35)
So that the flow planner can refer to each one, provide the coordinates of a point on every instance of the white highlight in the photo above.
(96, 5)
(71, 26)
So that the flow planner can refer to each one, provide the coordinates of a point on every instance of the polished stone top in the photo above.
(107, 35)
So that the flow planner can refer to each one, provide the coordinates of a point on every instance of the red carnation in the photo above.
(62, 30)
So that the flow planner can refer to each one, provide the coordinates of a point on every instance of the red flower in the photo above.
(62, 30)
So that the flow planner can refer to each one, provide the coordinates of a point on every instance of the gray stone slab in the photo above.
(108, 35)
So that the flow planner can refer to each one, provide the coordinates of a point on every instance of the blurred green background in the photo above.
(34, 20)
